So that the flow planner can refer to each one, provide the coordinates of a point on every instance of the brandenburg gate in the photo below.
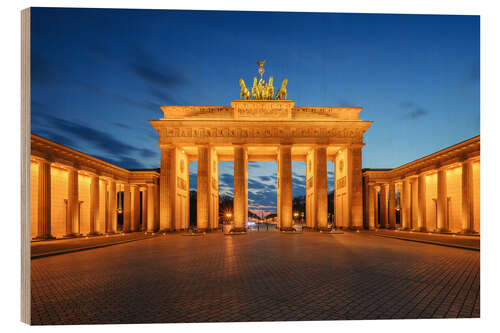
(266, 127)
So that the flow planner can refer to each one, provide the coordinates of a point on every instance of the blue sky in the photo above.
(99, 75)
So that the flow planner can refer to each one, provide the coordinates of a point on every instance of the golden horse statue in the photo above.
(281, 94)
(255, 91)
(270, 89)
(244, 92)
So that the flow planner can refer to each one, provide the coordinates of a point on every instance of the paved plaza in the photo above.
(260, 276)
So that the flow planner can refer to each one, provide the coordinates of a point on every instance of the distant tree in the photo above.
(299, 205)
(253, 215)
(270, 216)
(331, 202)
(192, 208)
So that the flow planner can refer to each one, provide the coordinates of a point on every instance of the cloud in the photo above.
(122, 125)
(117, 98)
(413, 111)
(77, 135)
(153, 76)
(415, 114)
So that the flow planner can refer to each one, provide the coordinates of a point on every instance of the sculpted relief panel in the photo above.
(256, 132)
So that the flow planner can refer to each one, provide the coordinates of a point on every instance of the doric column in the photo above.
(285, 179)
(151, 208)
(44, 201)
(203, 192)
(405, 204)
(372, 202)
(112, 209)
(94, 204)
(422, 225)
(72, 204)
(377, 222)
(320, 187)
(240, 187)
(126, 207)
(467, 197)
(391, 213)
(442, 201)
(144, 222)
(355, 181)
(135, 208)
(167, 187)
(383, 206)
(103, 206)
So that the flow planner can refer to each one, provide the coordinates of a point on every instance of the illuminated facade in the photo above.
(74, 194)
(437, 193)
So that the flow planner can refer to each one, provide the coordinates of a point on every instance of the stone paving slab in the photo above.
(260, 276)
(459, 241)
(61, 246)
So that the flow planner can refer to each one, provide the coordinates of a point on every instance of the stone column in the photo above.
(203, 192)
(355, 181)
(44, 201)
(112, 210)
(392, 206)
(377, 222)
(144, 222)
(103, 206)
(372, 202)
(94, 204)
(422, 225)
(442, 201)
(167, 198)
(383, 206)
(72, 204)
(240, 199)
(135, 207)
(320, 187)
(405, 204)
(126, 207)
(467, 197)
(285, 180)
(151, 208)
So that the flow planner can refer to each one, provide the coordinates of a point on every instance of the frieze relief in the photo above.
(181, 183)
(204, 132)
(341, 183)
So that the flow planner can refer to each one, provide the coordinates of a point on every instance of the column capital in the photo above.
(40, 159)
(166, 145)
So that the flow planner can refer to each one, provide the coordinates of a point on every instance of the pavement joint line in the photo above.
(432, 242)
(85, 248)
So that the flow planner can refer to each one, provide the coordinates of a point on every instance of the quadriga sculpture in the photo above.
(244, 92)
(281, 94)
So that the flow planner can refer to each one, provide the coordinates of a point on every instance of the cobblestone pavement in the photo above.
(472, 242)
(43, 248)
(261, 276)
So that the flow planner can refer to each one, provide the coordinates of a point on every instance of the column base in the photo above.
(45, 237)
(238, 230)
(421, 229)
(288, 230)
(72, 235)
(95, 233)
(469, 232)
